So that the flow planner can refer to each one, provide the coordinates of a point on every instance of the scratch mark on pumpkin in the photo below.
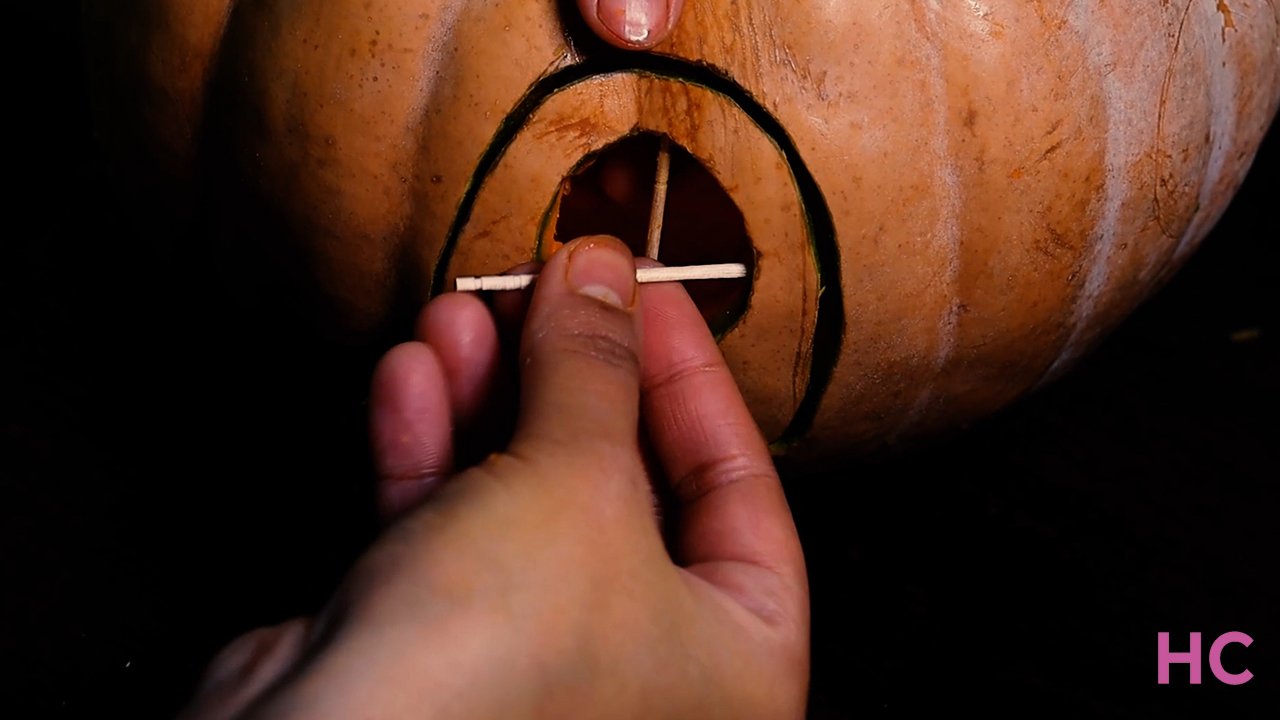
(1165, 87)
(1045, 155)
(1223, 85)
(984, 23)
(581, 130)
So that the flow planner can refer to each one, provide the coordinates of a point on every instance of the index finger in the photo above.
(732, 508)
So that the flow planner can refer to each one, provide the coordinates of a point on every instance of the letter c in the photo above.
(1215, 658)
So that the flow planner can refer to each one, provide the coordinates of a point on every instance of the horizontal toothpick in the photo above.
(724, 271)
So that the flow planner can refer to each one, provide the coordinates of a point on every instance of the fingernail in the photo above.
(604, 271)
(633, 21)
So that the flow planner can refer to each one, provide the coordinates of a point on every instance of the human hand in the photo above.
(537, 583)
(632, 24)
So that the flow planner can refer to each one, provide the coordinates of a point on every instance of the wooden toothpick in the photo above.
(724, 271)
(659, 208)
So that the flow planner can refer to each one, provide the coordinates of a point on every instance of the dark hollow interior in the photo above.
(611, 193)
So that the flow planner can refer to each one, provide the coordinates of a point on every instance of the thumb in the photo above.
(579, 353)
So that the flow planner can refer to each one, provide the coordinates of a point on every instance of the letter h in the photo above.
(1164, 658)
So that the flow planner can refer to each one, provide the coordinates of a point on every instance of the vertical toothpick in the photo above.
(659, 198)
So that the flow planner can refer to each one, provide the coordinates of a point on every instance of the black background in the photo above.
(179, 467)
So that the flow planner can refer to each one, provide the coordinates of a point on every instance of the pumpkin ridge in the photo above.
(1165, 86)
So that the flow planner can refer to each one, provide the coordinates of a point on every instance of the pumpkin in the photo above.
(943, 203)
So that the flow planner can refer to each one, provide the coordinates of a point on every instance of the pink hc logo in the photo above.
(1164, 658)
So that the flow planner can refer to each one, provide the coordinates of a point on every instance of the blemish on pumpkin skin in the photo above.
(580, 128)
(1052, 149)
(1228, 21)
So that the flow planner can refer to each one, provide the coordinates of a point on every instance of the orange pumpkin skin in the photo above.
(1005, 180)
